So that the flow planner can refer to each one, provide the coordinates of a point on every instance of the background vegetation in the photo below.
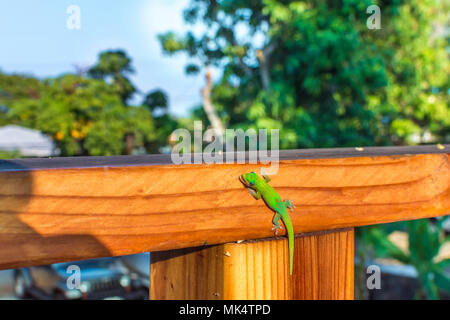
(315, 71)
(309, 68)
(88, 113)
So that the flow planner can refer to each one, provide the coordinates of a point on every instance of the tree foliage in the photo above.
(315, 71)
(86, 115)
(115, 66)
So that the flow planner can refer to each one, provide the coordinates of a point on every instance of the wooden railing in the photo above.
(208, 237)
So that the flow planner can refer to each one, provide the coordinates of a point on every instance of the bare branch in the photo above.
(263, 56)
(209, 108)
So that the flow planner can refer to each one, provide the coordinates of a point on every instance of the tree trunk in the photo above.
(209, 108)
(263, 56)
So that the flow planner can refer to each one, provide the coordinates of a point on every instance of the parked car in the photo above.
(139, 266)
(106, 278)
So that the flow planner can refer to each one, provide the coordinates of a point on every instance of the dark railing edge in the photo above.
(165, 159)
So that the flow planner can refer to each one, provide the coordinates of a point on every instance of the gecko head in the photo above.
(248, 179)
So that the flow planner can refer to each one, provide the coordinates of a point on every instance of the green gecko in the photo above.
(260, 188)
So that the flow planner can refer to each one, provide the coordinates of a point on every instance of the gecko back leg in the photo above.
(276, 223)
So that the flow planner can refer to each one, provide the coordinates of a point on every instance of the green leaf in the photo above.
(442, 281)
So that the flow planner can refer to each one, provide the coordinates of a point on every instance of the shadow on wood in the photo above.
(21, 244)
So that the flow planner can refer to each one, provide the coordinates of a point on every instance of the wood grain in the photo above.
(56, 215)
(324, 268)
(258, 270)
(191, 273)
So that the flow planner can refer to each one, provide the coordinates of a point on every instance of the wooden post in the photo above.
(323, 269)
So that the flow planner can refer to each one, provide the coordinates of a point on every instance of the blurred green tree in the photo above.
(83, 116)
(114, 66)
(88, 115)
(315, 71)
(157, 102)
(15, 87)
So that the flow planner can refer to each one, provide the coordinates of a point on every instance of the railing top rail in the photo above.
(107, 206)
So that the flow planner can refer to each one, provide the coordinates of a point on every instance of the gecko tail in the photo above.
(290, 234)
(291, 255)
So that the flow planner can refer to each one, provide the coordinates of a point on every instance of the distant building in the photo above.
(28, 142)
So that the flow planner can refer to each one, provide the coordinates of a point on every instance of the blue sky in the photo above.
(34, 39)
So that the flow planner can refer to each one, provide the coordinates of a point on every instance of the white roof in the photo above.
(28, 142)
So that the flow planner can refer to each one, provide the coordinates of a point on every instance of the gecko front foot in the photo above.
(276, 227)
